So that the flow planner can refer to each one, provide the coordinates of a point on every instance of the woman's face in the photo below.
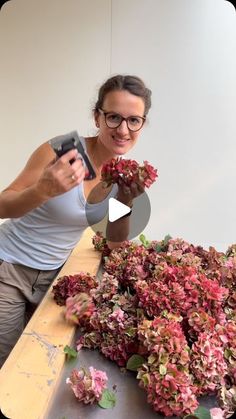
(119, 140)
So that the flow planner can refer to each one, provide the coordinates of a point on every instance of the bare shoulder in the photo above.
(41, 157)
(90, 142)
(34, 167)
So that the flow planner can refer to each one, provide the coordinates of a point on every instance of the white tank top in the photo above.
(44, 237)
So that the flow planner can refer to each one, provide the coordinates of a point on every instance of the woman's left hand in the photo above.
(126, 194)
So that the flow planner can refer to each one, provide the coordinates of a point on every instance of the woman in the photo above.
(46, 204)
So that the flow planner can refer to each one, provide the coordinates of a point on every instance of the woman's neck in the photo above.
(99, 154)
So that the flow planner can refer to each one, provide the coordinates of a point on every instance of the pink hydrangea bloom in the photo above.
(121, 171)
(170, 392)
(207, 363)
(79, 308)
(87, 385)
(217, 413)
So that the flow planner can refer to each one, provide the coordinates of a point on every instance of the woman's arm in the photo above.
(42, 178)
(118, 231)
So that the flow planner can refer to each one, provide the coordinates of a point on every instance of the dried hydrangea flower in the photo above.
(107, 287)
(79, 308)
(100, 244)
(126, 171)
(207, 363)
(174, 304)
(165, 341)
(70, 285)
(217, 413)
(87, 385)
(226, 398)
(169, 390)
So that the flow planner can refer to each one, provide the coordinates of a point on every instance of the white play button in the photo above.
(98, 215)
(116, 209)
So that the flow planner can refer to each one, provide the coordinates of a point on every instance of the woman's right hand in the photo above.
(60, 176)
(43, 177)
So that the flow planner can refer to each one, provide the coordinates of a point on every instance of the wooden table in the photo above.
(30, 376)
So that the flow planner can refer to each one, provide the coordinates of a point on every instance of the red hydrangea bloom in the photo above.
(164, 338)
(100, 244)
(70, 285)
(118, 333)
(207, 363)
(177, 289)
(178, 245)
(230, 306)
(157, 296)
(90, 340)
(107, 287)
(231, 251)
(119, 347)
(127, 263)
(170, 391)
(227, 335)
(125, 171)
(99, 241)
(199, 321)
(79, 308)
(147, 174)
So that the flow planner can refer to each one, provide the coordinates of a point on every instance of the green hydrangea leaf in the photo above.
(166, 239)
(162, 369)
(200, 413)
(108, 399)
(152, 358)
(144, 378)
(143, 240)
(162, 246)
(227, 353)
(131, 331)
(70, 353)
(134, 362)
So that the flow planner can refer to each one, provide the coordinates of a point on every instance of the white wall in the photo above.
(54, 55)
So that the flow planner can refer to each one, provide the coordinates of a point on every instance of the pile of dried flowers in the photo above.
(165, 309)
(171, 307)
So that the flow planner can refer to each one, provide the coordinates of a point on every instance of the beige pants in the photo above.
(21, 290)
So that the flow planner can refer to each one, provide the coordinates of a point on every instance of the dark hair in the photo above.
(132, 84)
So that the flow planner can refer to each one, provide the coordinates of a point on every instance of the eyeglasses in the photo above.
(114, 120)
